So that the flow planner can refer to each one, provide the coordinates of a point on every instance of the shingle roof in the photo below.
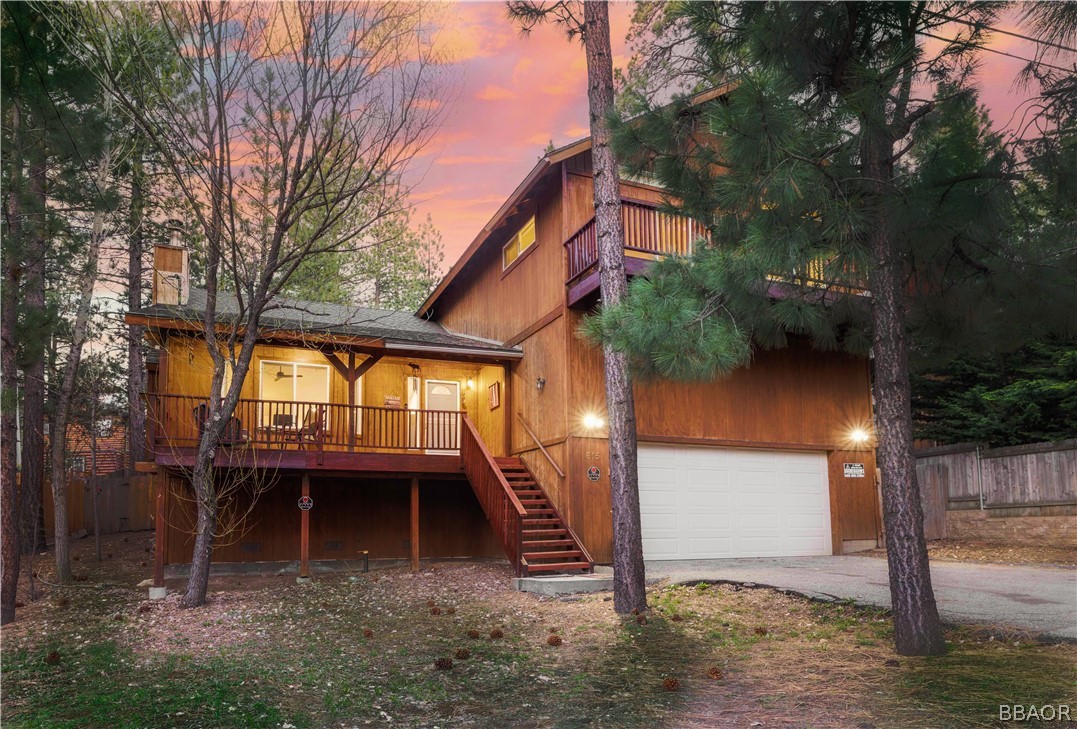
(295, 315)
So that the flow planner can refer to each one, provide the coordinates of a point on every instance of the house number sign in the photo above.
(854, 470)
(306, 503)
(593, 473)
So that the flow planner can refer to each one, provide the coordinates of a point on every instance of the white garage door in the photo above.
(704, 503)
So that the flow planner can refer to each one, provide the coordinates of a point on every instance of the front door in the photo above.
(442, 426)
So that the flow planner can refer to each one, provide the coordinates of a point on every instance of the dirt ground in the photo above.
(956, 551)
(375, 649)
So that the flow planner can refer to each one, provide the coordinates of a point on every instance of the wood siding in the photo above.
(498, 304)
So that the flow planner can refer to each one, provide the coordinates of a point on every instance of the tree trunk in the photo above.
(9, 506)
(79, 331)
(33, 345)
(629, 584)
(206, 526)
(93, 476)
(136, 365)
(10, 549)
(917, 631)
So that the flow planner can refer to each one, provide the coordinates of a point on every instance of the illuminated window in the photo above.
(518, 244)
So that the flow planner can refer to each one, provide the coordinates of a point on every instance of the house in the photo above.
(475, 426)
(99, 453)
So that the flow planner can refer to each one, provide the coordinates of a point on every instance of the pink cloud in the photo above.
(495, 93)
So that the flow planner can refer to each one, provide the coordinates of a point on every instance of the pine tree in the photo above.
(819, 174)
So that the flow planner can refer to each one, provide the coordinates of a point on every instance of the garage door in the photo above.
(703, 503)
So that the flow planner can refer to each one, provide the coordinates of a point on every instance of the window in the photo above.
(284, 382)
(520, 242)
(103, 427)
(78, 464)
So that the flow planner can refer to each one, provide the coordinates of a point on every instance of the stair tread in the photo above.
(558, 566)
(544, 532)
(553, 555)
(547, 543)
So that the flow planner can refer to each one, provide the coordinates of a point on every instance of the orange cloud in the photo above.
(495, 93)
(521, 68)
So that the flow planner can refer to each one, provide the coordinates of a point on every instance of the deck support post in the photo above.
(304, 534)
(414, 524)
(157, 592)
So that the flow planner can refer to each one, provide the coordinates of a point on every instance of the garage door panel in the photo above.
(756, 500)
(761, 546)
(659, 520)
(657, 499)
(708, 522)
(707, 499)
(701, 503)
(712, 548)
(699, 478)
(661, 548)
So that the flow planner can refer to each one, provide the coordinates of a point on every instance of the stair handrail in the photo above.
(538, 442)
(501, 505)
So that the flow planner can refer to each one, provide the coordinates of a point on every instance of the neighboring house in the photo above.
(475, 427)
(111, 451)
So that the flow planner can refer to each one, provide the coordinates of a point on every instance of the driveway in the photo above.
(1038, 599)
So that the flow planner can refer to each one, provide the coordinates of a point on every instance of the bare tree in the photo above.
(275, 115)
(629, 583)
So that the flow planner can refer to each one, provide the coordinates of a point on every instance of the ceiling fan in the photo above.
(281, 375)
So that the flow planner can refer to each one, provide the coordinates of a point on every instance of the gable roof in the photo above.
(544, 165)
(397, 329)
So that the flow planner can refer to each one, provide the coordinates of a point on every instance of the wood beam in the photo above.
(414, 525)
(367, 364)
(304, 533)
(339, 366)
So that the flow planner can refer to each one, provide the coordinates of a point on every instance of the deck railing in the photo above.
(647, 230)
(499, 502)
(177, 421)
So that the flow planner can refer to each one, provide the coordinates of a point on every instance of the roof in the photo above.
(400, 328)
(543, 166)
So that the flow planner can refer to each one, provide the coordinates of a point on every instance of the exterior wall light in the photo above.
(540, 384)
(859, 436)
(470, 384)
(592, 421)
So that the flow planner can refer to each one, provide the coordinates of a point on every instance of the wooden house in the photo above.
(475, 426)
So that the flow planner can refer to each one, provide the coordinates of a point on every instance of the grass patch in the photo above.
(100, 685)
(965, 687)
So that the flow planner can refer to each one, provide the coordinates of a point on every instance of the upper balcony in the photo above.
(651, 234)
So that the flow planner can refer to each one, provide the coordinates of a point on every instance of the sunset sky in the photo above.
(515, 94)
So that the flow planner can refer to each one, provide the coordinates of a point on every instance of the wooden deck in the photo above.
(370, 463)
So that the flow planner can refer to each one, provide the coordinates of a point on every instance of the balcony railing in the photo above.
(178, 421)
(647, 230)
(651, 231)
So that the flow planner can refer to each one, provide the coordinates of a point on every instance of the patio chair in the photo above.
(313, 428)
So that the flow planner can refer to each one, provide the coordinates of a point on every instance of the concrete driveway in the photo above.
(1038, 599)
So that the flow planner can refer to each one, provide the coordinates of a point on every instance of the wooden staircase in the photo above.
(547, 543)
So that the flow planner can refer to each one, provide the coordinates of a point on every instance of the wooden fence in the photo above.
(124, 503)
(1032, 477)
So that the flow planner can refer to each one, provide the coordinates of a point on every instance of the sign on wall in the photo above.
(306, 503)
(593, 474)
(854, 470)
(392, 401)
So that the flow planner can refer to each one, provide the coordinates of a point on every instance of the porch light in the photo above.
(470, 384)
(592, 421)
(859, 436)
(540, 383)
